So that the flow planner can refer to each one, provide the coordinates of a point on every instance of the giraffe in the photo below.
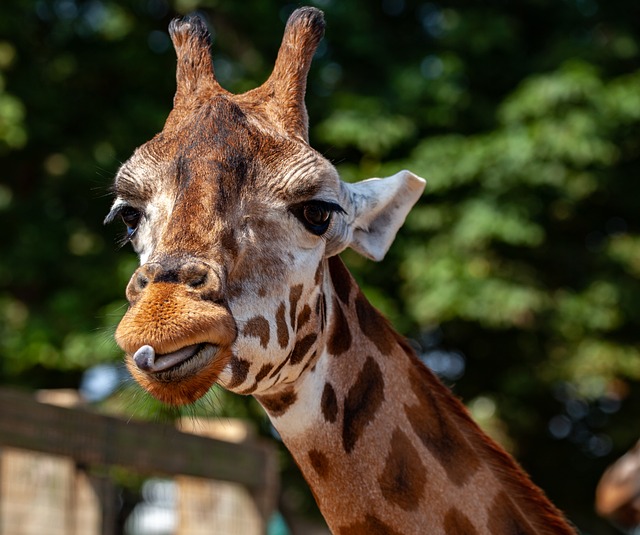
(618, 491)
(238, 224)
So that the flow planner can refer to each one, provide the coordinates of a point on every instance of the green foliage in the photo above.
(523, 191)
(524, 254)
(362, 124)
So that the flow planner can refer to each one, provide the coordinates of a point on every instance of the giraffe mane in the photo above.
(506, 469)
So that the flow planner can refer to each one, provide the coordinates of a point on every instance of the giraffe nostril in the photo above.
(196, 281)
(195, 275)
(141, 281)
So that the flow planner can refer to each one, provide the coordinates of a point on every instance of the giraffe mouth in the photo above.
(185, 360)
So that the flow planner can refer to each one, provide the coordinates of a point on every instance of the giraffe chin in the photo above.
(180, 377)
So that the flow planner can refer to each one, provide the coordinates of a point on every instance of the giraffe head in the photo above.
(233, 215)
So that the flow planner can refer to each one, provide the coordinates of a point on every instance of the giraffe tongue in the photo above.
(147, 360)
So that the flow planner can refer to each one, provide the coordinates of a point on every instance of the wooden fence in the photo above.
(56, 472)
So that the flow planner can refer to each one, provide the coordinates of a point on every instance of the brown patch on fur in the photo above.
(294, 297)
(277, 404)
(371, 525)
(329, 403)
(319, 462)
(264, 370)
(279, 367)
(302, 347)
(374, 325)
(239, 371)
(341, 278)
(431, 423)
(403, 479)
(362, 403)
(304, 316)
(258, 327)
(340, 336)
(457, 523)
(282, 329)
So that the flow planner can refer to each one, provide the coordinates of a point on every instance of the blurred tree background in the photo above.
(518, 274)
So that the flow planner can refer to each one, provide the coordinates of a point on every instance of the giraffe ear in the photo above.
(380, 206)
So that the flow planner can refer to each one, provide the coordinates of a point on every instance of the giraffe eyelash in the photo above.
(130, 216)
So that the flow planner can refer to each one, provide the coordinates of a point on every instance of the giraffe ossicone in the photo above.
(238, 223)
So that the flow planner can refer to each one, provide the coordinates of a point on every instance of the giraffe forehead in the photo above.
(222, 151)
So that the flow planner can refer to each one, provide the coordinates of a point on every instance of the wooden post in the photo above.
(36, 493)
(41, 493)
(207, 506)
(43, 490)
(97, 440)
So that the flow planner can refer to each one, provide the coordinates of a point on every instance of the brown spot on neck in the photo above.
(294, 297)
(304, 316)
(264, 370)
(277, 404)
(302, 347)
(239, 371)
(362, 403)
(403, 479)
(279, 367)
(340, 335)
(258, 327)
(329, 403)
(282, 329)
(374, 325)
(341, 278)
(319, 462)
(431, 421)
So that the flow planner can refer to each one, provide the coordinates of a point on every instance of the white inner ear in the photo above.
(379, 207)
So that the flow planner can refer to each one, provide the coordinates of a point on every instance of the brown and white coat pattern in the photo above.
(238, 221)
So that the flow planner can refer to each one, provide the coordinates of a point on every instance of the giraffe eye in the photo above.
(316, 215)
(131, 218)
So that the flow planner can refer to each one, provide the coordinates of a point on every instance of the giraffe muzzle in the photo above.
(181, 376)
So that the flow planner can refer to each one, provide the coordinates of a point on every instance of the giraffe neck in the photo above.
(383, 443)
